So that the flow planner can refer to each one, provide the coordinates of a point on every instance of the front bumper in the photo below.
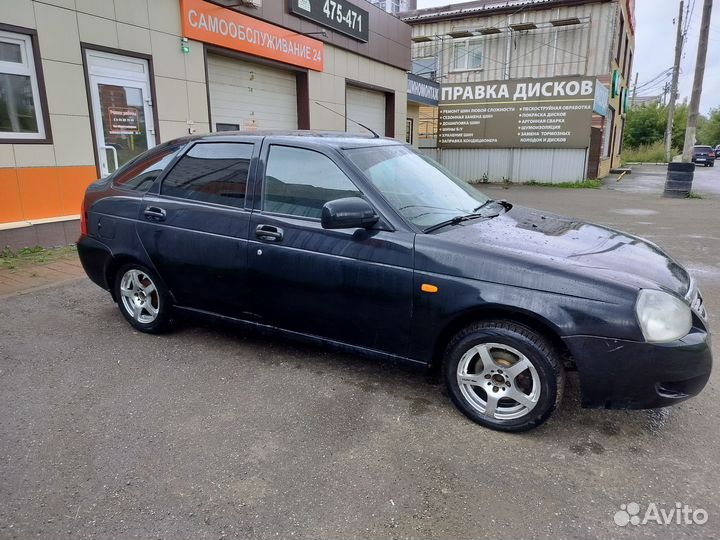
(619, 374)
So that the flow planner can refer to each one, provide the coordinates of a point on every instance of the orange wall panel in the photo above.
(30, 193)
(10, 207)
(40, 192)
(73, 183)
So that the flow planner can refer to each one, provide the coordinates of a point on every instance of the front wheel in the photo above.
(142, 299)
(503, 375)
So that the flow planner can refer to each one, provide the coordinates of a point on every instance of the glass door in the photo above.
(123, 120)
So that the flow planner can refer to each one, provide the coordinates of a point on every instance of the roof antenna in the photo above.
(375, 135)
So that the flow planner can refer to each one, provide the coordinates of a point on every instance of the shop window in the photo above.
(21, 115)
(467, 55)
(608, 132)
(409, 128)
(299, 182)
(211, 172)
(227, 127)
(425, 67)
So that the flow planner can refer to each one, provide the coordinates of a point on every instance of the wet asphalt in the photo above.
(216, 432)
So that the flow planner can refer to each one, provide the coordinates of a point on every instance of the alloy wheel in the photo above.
(139, 296)
(498, 381)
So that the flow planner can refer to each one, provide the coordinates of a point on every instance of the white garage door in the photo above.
(366, 107)
(244, 95)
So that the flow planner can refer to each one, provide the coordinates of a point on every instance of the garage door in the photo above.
(366, 107)
(244, 95)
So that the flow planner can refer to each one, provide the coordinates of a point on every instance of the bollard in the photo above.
(678, 182)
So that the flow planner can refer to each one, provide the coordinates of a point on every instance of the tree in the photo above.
(709, 130)
(645, 124)
(679, 125)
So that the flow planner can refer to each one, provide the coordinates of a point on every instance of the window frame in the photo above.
(160, 181)
(467, 42)
(260, 200)
(37, 81)
(607, 152)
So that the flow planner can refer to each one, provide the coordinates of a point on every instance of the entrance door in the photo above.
(122, 108)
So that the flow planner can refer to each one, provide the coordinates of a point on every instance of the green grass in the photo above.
(694, 195)
(583, 184)
(30, 256)
(649, 153)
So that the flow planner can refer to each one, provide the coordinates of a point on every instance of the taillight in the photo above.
(83, 219)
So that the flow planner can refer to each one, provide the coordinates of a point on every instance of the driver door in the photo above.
(350, 285)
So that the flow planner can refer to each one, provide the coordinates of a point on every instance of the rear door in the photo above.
(194, 225)
(349, 285)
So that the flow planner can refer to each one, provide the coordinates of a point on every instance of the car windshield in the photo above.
(419, 188)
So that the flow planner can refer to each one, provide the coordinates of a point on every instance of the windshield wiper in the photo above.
(453, 221)
(475, 214)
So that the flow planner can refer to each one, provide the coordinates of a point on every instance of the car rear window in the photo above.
(140, 173)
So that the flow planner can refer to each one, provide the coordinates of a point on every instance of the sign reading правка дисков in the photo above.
(339, 15)
(519, 113)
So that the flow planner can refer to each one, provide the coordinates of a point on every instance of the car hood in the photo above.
(564, 246)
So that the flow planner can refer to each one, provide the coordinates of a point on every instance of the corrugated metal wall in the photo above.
(584, 49)
(514, 164)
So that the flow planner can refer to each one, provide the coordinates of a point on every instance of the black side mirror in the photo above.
(348, 213)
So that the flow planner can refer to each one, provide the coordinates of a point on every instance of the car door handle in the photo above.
(269, 233)
(155, 213)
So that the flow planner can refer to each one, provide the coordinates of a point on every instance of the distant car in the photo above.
(365, 243)
(703, 155)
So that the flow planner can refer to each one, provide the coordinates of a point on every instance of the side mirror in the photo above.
(348, 213)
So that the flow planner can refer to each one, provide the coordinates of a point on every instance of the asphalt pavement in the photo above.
(216, 432)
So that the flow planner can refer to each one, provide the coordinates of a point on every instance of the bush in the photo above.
(646, 153)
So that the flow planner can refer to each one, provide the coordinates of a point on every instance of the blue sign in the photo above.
(602, 95)
(422, 90)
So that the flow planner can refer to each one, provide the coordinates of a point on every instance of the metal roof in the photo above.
(481, 7)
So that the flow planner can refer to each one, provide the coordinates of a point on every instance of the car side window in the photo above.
(140, 173)
(211, 172)
(299, 182)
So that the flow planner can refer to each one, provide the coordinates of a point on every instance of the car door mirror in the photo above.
(348, 213)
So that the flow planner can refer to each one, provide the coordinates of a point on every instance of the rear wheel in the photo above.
(503, 375)
(142, 298)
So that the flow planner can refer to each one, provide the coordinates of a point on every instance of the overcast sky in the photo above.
(655, 46)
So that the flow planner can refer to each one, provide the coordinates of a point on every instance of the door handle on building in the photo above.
(114, 153)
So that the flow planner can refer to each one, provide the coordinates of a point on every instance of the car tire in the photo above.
(143, 299)
(483, 370)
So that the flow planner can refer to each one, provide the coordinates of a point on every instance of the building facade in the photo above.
(86, 85)
(551, 41)
(395, 6)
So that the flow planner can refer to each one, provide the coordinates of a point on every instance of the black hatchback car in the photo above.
(364, 243)
(703, 155)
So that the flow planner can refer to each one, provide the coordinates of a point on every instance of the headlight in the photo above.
(662, 316)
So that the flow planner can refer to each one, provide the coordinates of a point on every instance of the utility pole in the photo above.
(694, 109)
(673, 88)
(632, 103)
